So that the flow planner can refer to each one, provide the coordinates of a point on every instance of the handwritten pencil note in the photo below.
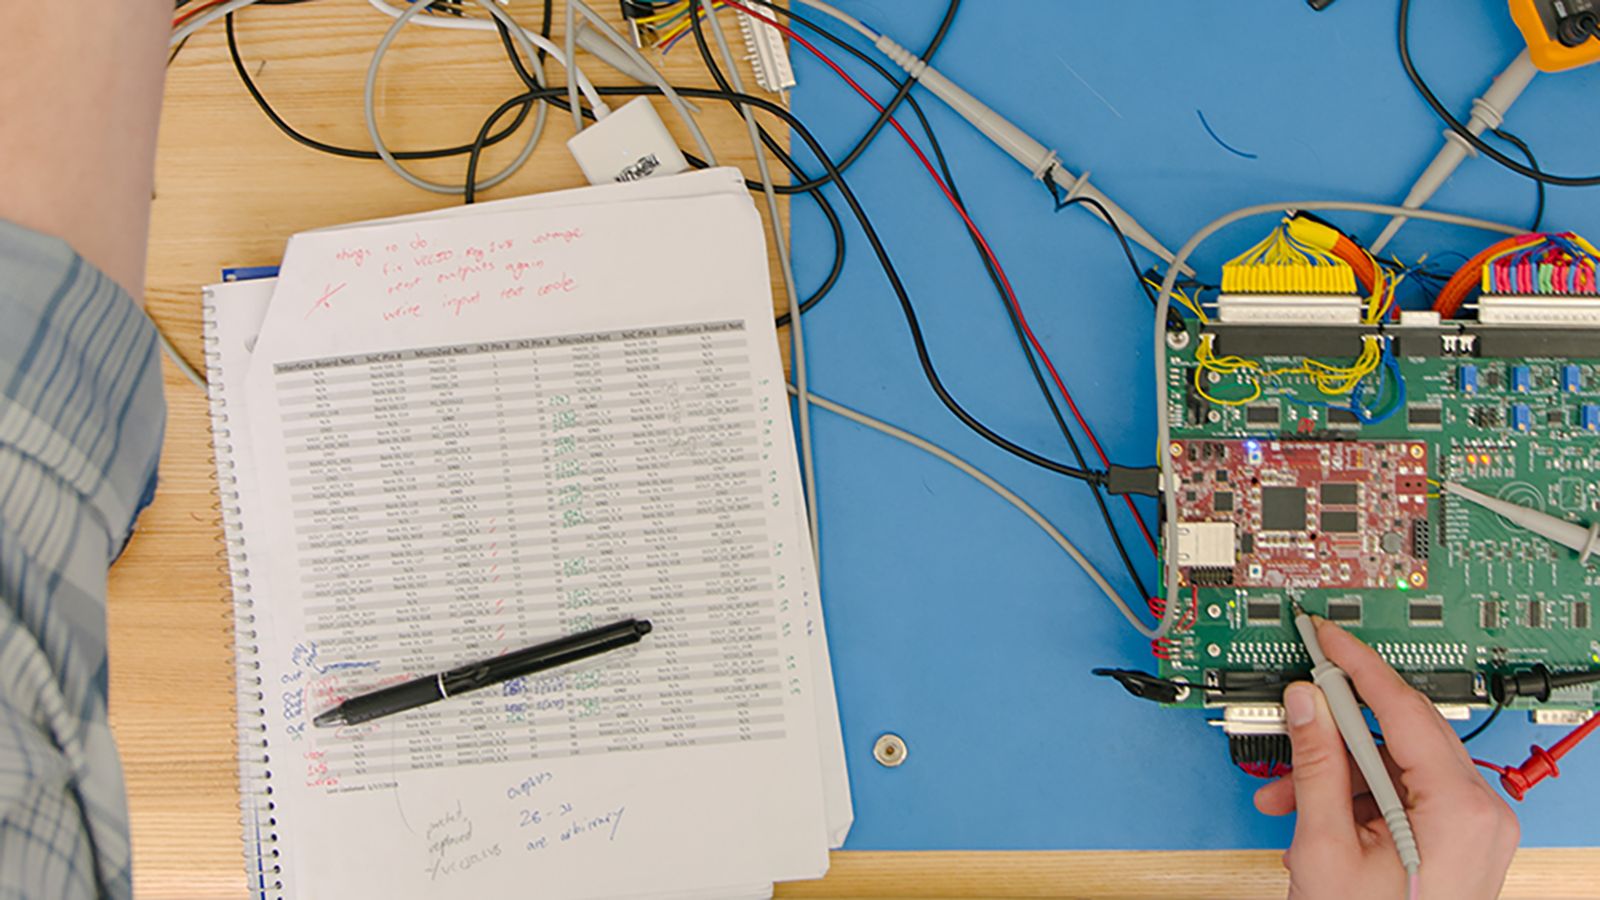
(481, 433)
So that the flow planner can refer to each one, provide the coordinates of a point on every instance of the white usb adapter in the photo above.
(631, 144)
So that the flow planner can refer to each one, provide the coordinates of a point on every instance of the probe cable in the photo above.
(1533, 172)
(993, 485)
(555, 97)
(797, 346)
(902, 89)
(1011, 313)
(971, 227)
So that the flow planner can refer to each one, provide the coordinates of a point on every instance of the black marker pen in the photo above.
(422, 691)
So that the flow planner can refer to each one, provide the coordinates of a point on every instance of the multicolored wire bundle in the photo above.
(668, 23)
(1560, 264)
(1554, 264)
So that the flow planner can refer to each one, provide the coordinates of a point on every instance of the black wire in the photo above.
(347, 152)
(1455, 125)
(988, 264)
(1513, 140)
(1174, 318)
(828, 211)
(1486, 723)
(556, 97)
(901, 94)
(178, 49)
(836, 177)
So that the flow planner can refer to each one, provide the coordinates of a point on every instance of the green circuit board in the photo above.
(1285, 497)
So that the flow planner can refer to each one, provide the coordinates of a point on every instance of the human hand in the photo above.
(1466, 834)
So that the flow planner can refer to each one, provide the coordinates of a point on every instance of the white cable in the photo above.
(571, 38)
(1169, 493)
(991, 484)
(368, 94)
(848, 20)
(660, 81)
(463, 23)
(182, 32)
(797, 344)
(1039, 160)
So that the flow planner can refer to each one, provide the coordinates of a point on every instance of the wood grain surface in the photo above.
(230, 189)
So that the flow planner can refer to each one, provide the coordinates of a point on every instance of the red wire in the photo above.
(1011, 297)
(194, 11)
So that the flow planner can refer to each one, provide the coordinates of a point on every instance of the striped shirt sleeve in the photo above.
(81, 422)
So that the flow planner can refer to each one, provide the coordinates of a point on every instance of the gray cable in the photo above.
(660, 81)
(991, 484)
(797, 344)
(1169, 494)
(372, 119)
(177, 360)
(183, 31)
(571, 38)
(1335, 685)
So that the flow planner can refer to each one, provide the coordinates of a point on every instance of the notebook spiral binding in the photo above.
(263, 869)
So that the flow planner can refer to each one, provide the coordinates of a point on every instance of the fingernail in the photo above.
(1299, 705)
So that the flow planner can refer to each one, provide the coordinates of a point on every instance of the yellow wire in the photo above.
(1189, 302)
(665, 13)
(1329, 379)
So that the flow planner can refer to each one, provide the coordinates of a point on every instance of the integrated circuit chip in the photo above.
(1426, 612)
(1261, 415)
(1264, 611)
(1340, 493)
(1429, 417)
(1345, 610)
(1337, 522)
(1283, 509)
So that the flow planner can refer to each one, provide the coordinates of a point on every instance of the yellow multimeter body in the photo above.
(1540, 24)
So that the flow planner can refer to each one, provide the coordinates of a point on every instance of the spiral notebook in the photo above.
(709, 762)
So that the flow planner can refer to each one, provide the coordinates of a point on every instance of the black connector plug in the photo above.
(1123, 480)
(1142, 684)
(1537, 683)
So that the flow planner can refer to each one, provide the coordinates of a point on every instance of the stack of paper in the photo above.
(455, 435)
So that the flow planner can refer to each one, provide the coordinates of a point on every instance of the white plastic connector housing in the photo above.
(1517, 309)
(1560, 716)
(769, 56)
(1420, 317)
(631, 144)
(1290, 309)
(1252, 718)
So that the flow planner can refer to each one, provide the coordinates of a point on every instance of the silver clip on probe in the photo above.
(1335, 685)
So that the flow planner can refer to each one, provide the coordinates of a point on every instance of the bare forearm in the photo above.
(80, 100)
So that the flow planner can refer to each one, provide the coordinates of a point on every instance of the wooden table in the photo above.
(230, 188)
